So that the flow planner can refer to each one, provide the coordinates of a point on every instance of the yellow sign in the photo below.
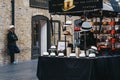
(68, 4)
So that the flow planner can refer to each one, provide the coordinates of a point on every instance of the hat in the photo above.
(45, 53)
(92, 55)
(53, 47)
(72, 55)
(94, 47)
(60, 54)
(66, 33)
(82, 54)
(12, 26)
(68, 22)
(86, 26)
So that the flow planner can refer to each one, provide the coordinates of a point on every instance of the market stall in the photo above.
(95, 55)
(99, 68)
(99, 15)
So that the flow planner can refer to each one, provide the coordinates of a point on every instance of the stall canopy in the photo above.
(73, 6)
(107, 6)
(116, 6)
(78, 7)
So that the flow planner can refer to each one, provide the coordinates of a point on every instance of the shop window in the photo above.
(36, 35)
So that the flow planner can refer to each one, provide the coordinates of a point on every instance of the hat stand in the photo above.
(65, 35)
(65, 39)
(65, 46)
(85, 37)
(85, 42)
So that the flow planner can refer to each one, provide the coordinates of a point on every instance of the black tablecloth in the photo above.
(99, 68)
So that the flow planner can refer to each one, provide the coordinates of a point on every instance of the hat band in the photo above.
(86, 28)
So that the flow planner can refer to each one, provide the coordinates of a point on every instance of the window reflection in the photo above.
(36, 34)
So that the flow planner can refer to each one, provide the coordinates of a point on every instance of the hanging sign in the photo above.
(39, 3)
(73, 5)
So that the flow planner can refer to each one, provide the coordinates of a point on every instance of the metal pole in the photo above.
(65, 44)
(85, 35)
(85, 42)
(101, 17)
(65, 37)
(13, 12)
(51, 24)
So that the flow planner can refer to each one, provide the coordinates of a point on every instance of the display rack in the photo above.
(108, 37)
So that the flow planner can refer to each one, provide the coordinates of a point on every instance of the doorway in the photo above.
(40, 35)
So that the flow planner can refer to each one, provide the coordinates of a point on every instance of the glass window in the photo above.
(36, 34)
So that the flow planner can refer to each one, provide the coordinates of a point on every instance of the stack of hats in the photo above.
(93, 51)
(52, 49)
(45, 54)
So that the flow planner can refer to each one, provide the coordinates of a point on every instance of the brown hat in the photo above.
(66, 33)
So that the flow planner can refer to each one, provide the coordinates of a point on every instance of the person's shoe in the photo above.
(14, 62)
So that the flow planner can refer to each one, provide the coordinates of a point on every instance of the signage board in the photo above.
(74, 5)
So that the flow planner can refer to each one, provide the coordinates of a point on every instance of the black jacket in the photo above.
(90, 40)
(12, 38)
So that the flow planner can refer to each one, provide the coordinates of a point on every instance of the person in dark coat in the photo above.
(12, 38)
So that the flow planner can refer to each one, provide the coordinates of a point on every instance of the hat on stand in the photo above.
(66, 33)
(86, 26)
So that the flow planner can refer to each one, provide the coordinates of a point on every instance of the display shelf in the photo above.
(108, 34)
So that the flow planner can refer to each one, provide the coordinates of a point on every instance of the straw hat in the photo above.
(86, 26)
(66, 33)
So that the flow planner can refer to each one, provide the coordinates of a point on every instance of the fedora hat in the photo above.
(86, 26)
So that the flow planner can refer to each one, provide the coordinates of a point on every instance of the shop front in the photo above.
(95, 47)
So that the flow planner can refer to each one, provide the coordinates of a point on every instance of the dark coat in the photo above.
(90, 40)
(11, 38)
(12, 47)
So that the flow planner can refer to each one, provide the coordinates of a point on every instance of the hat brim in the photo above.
(86, 26)
(85, 29)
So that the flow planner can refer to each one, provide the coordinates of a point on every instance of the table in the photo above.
(98, 68)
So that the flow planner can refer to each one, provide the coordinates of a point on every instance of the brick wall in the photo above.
(23, 16)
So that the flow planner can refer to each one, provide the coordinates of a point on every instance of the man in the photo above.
(12, 38)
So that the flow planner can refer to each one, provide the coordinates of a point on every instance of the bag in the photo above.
(16, 49)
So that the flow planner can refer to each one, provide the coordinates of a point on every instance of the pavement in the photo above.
(21, 71)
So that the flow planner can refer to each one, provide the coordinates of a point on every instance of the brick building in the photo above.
(32, 22)
(27, 19)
